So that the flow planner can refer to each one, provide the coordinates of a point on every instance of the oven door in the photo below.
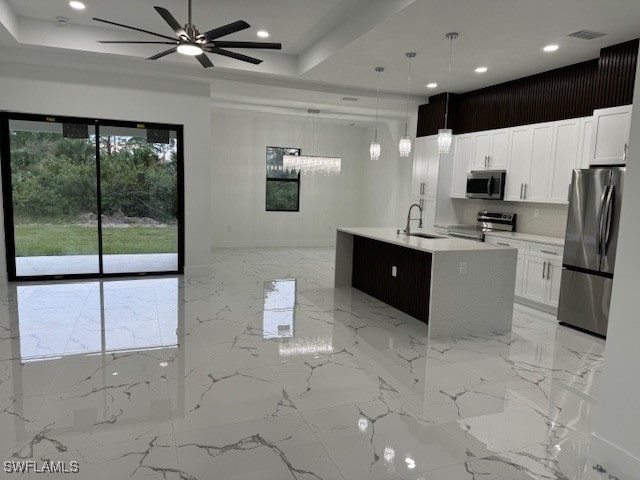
(486, 185)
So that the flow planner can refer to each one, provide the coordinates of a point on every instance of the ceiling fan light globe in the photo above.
(190, 49)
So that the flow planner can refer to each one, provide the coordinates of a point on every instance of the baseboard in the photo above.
(198, 271)
(537, 306)
(617, 461)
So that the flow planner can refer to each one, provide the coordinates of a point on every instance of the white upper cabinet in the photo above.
(519, 166)
(491, 149)
(426, 165)
(462, 160)
(586, 135)
(565, 157)
(433, 167)
(541, 160)
(537, 188)
(610, 140)
(498, 158)
(419, 167)
(481, 149)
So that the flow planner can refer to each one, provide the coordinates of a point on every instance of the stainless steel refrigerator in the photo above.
(590, 248)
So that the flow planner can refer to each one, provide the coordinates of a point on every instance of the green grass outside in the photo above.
(36, 240)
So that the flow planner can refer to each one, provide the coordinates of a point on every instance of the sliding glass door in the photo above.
(139, 192)
(87, 198)
(54, 192)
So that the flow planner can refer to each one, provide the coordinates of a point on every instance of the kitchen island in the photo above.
(458, 287)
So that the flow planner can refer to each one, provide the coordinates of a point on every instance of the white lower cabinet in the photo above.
(535, 283)
(554, 276)
(538, 271)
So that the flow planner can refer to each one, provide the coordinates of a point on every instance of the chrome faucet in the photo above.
(407, 230)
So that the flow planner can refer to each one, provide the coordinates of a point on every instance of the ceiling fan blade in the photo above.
(132, 28)
(204, 61)
(137, 42)
(227, 44)
(173, 23)
(162, 54)
(237, 56)
(225, 30)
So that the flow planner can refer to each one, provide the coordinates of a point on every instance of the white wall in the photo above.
(58, 91)
(238, 180)
(616, 444)
(387, 182)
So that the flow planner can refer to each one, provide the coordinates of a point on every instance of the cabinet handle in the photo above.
(626, 146)
(548, 252)
(489, 160)
(503, 244)
(521, 189)
(544, 268)
(526, 187)
(548, 270)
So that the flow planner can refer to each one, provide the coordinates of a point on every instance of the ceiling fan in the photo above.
(191, 42)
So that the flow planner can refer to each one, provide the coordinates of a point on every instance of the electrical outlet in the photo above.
(536, 213)
(394, 271)
(463, 268)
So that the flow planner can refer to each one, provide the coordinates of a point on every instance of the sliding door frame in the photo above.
(7, 193)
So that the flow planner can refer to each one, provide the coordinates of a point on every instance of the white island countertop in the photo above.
(430, 245)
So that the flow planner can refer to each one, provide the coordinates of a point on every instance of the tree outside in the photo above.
(54, 194)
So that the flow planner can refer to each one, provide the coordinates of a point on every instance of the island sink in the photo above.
(427, 235)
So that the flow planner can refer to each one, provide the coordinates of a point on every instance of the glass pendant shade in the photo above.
(374, 150)
(405, 146)
(445, 136)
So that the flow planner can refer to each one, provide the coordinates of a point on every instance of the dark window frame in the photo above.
(282, 180)
(7, 192)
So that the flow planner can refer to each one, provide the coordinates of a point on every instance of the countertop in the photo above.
(442, 244)
(529, 237)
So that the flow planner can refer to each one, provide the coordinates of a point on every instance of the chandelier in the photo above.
(312, 164)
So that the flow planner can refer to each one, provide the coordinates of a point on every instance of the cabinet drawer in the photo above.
(544, 250)
(506, 242)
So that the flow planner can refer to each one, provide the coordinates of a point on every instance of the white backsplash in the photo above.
(552, 219)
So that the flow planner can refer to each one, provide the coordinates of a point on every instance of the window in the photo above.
(283, 187)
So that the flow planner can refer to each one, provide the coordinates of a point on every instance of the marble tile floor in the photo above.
(265, 371)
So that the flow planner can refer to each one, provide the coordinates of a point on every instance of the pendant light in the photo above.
(313, 164)
(445, 135)
(405, 141)
(374, 149)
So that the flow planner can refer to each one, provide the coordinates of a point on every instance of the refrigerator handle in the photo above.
(608, 217)
(599, 225)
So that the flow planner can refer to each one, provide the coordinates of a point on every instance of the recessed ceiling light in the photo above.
(432, 85)
(263, 34)
(551, 48)
(77, 5)
(481, 69)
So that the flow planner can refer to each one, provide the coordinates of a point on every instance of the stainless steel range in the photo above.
(485, 222)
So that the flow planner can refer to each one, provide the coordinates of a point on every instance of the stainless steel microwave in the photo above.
(486, 184)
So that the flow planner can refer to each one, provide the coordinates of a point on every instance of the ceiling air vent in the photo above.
(350, 99)
(586, 34)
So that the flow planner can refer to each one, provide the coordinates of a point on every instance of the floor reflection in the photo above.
(251, 377)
